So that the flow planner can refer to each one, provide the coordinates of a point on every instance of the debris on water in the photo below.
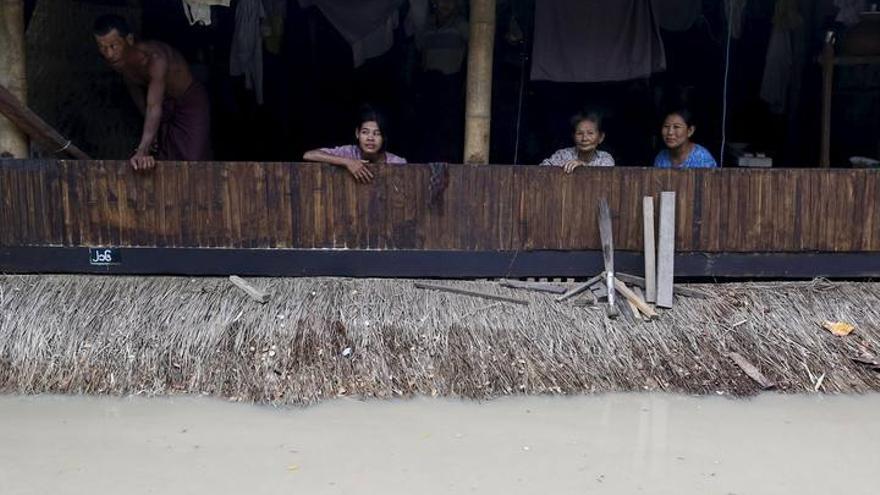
(819, 383)
(526, 448)
(873, 364)
(839, 328)
(293, 467)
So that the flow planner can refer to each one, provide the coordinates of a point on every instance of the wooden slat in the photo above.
(650, 249)
(666, 250)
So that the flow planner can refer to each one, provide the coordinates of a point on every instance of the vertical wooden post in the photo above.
(478, 118)
(827, 61)
(650, 249)
(666, 256)
(12, 63)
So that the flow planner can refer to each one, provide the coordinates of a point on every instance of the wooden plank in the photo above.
(469, 293)
(650, 249)
(254, 293)
(581, 287)
(606, 235)
(679, 290)
(750, 370)
(638, 292)
(534, 286)
(161, 177)
(666, 250)
(187, 227)
(635, 300)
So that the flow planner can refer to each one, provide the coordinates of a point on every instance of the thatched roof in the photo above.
(322, 337)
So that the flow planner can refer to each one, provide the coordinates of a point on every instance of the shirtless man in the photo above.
(175, 106)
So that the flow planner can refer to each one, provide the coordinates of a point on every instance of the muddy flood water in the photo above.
(615, 444)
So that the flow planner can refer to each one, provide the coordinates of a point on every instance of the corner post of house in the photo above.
(478, 110)
(12, 73)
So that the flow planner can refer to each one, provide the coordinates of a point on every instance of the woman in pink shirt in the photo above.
(370, 148)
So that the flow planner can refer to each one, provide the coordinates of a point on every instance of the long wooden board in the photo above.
(666, 250)
(485, 208)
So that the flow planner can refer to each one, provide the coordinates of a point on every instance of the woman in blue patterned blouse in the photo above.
(681, 152)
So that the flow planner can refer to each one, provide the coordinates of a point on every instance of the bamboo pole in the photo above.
(32, 125)
(12, 73)
(478, 118)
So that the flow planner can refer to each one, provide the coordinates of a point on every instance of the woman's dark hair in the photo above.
(579, 117)
(108, 22)
(368, 113)
(686, 115)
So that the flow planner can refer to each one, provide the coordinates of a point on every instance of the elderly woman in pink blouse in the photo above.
(356, 158)
(587, 135)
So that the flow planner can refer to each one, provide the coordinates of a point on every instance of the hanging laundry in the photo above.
(367, 25)
(417, 18)
(786, 42)
(276, 15)
(849, 11)
(599, 40)
(444, 43)
(735, 11)
(199, 11)
(246, 53)
(677, 15)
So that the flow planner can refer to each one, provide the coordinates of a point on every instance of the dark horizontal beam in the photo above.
(429, 264)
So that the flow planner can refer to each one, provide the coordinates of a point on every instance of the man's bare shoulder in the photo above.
(155, 48)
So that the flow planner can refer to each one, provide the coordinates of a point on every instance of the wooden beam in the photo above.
(751, 371)
(13, 142)
(35, 127)
(607, 236)
(681, 291)
(635, 300)
(254, 293)
(469, 293)
(666, 252)
(535, 286)
(650, 249)
(403, 263)
(478, 109)
(581, 287)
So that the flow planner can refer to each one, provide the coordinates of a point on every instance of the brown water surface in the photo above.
(614, 444)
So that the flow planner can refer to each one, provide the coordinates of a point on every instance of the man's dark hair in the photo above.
(109, 22)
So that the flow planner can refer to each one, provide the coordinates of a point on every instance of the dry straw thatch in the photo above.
(322, 337)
